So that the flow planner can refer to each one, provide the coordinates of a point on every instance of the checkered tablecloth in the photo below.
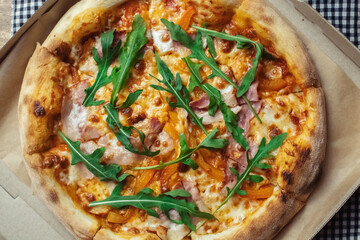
(344, 15)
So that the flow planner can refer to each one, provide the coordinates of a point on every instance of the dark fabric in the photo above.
(344, 15)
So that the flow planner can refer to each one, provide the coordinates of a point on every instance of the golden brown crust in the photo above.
(40, 101)
(265, 223)
(270, 26)
(300, 174)
(81, 224)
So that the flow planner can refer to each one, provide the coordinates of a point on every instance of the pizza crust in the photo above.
(40, 101)
(39, 104)
(301, 175)
(269, 25)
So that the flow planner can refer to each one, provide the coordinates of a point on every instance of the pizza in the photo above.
(163, 119)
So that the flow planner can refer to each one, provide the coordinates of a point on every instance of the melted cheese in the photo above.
(162, 44)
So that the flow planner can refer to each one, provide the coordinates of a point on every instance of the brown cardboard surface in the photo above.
(339, 73)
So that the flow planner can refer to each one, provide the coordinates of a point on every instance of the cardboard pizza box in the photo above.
(24, 216)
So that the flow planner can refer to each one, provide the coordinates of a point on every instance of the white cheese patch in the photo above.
(162, 46)
(78, 173)
(229, 96)
(74, 118)
(115, 154)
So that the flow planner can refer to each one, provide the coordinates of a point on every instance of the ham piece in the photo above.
(207, 119)
(201, 103)
(252, 93)
(229, 95)
(190, 186)
(74, 116)
(156, 127)
(234, 152)
(118, 36)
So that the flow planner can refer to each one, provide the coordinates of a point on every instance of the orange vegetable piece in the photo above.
(166, 174)
(213, 172)
(143, 179)
(171, 131)
(261, 193)
(185, 19)
(122, 216)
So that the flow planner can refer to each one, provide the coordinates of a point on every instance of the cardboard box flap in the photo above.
(329, 31)
(25, 212)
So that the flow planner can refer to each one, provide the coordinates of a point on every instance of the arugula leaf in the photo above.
(185, 152)
(123, 133)
(165, 202)
(109, 54)
(262, 153)
(216, 100)
(241, 42)
(195, 45)
(215, 97)
(230, 119)
(178, 193)
(210, 43)
(178, 34)
(92, 161)
(175, 88)
(131, 98)
(130, 54)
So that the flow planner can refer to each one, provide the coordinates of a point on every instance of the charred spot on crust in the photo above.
(304, 154)
(53, 196)
(39, 111)
(288, 177)
(63, 52)
(283, 198)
